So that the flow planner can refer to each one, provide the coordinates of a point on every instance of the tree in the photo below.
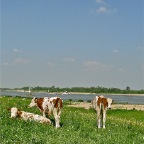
(128, 88)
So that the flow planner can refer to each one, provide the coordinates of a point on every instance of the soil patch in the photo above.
(87, 105)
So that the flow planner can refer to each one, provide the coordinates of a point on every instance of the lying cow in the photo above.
(15, 112)
(49, 105)
(101, 104)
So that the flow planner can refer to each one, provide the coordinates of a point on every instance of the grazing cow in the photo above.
(15, 112)
(49, 105)
(101, 104)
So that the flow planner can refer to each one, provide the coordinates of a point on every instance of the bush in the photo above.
(80, 100)
(89, 101)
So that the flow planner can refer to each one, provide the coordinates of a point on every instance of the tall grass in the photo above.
(78, 126)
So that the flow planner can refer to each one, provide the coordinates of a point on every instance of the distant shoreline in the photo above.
(78, 93)
(129, 94)
(107, 94)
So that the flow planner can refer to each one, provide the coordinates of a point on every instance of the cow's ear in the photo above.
(9, 109)
(19, 113)
(35, 99)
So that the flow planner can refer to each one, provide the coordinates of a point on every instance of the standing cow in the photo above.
(101, 104)
(49, 105)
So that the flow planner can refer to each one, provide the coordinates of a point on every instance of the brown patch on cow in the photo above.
(57, 102)
(30, 116)
(19, 113)
(45, 122)
(39, 103)
(99, 101)
(61, 103)
(103, 101)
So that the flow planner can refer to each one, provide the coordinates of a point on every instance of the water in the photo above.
(129, 99)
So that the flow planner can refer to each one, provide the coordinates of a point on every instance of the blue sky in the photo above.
(70, 43)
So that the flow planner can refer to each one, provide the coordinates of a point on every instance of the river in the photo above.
(127, 99)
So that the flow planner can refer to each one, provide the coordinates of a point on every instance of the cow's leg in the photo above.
(59, 112)
(43, 112)
(98, 119)
(57, 118)
(104, 118)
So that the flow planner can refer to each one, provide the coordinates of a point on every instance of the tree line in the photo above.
(97, 89)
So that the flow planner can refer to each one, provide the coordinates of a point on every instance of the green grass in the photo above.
(78, 126)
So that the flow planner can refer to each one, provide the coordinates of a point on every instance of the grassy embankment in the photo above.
(78, 126)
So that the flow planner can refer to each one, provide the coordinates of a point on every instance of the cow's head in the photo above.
(14, 112)
(93, 103)
(33, 102)
(109, 102)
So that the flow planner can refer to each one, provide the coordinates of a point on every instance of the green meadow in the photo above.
(78, 126)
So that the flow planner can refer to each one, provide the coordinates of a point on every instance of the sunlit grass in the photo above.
(78, 126)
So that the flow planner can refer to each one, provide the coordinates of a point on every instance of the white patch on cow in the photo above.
(53, 98)
(14, 111)
(33, 103)
(94, 104)
(109, 100)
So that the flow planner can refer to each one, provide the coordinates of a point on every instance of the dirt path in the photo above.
(86, 105)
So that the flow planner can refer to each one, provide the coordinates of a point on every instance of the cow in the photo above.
(16, 113)
(49, 105)
(101, 104)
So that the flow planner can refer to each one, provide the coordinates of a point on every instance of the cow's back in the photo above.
(40, 103)
(54, 103)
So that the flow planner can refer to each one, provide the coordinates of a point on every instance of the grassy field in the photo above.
(78, 126)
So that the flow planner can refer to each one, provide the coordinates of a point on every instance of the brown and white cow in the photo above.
(16, 113)
(101, 104)
(49, 105)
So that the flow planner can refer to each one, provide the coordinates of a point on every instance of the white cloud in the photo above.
(115, 51)
(5, 64)
(94, 65)
(106, 10)
(20, 61)
(91, 63)
(17, 50)
(102, 10)
(69, 60)
(15, 62)
(100, 1)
